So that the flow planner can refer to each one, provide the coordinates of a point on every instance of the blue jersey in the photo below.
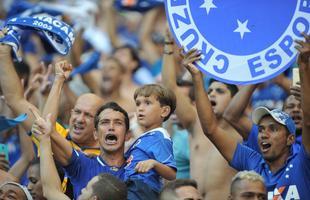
(155, 144)
(291, 182)
(252, 141)
(82, 169)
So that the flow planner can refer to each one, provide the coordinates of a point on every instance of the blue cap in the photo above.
(277, 114)
(6, 123)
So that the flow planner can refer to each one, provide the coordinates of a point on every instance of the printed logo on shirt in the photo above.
(136, 143)
(284, 193)
(115, 169)
(241, 41)
(128, 161)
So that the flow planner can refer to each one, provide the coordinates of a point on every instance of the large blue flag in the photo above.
(241, 41)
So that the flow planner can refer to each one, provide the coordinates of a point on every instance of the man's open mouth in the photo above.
(77, 128)
(265, 146)
(213, 103)
(111, 139)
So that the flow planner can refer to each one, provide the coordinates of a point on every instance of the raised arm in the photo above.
(19, 168)
(62, 148)
(50, 180)
(184, 110)
(235, 112)
(62, 72)
(304, 73)
(11, 86)
(111, 22)
(211, 128)
(147, 27)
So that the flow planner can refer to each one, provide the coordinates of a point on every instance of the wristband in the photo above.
(169, 42)
(168, 52)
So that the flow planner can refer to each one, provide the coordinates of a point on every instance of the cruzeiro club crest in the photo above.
(242, 41)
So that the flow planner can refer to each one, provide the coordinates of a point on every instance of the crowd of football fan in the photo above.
(127, 114)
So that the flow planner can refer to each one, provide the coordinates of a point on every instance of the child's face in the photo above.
(150, 114)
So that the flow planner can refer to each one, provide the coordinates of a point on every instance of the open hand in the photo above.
(145, 166)
(189, 58)
(41, 80)
(304, 49)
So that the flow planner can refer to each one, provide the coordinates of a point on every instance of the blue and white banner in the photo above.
(241, 41)
(59, 34)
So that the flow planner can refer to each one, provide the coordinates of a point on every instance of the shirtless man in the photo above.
(108, 84)
(208, 167)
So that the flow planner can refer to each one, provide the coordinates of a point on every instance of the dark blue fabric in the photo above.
(82, 169)
(138, 5)
(27, 43)
(25, 8)
(138, 190)
(18, 7)
(90, 64)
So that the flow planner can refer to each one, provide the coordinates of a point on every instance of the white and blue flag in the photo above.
(241, 41)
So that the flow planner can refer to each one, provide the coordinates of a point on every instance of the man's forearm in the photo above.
(62, 148)
(11, 87)
(49, 176)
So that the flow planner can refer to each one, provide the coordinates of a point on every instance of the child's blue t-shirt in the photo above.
(154, 144)
(82, 169)
(289, 182)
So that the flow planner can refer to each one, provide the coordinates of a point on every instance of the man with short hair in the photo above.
(13, 190)
(105, 187)
(111, 127)
(181, 189)
(285, 171)
(86, 171)
(247, 185)
(236, 115)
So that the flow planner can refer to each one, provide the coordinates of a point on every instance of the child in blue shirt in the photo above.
(150, 158)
